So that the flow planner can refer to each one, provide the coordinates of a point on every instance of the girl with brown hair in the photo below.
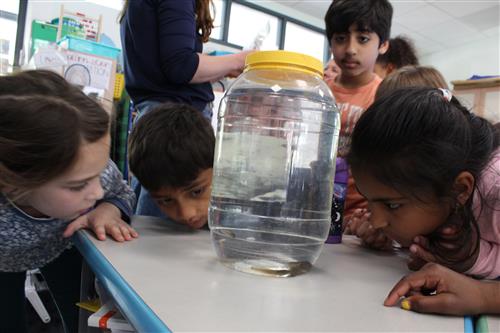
(55, 178)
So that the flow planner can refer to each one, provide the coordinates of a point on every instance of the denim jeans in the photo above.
(145, 204)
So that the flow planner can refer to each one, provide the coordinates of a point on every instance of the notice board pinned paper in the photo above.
(90, 70)
(49, 57)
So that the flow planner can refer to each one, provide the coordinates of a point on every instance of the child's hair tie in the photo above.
(446, 94)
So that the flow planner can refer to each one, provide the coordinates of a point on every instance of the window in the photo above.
(248, 25)
(218, 15)
(304, 40)
(8, 22)
(11, 6)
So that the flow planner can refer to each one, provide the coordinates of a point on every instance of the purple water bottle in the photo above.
(339, 192)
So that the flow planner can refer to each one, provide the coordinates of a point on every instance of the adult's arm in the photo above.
(181, 62)
(211, 68)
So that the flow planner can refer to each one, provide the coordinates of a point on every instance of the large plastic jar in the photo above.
(274, 163)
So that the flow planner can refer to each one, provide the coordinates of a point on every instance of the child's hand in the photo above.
(455, 294)
(358, 218)
(420, 253)
(104, 219)
(360, 226)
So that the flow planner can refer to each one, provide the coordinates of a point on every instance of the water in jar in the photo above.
(273, 180)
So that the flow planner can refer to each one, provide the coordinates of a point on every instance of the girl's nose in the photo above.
(96, 191)
(378, 219)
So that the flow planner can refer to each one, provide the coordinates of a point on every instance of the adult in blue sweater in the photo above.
(162, 41)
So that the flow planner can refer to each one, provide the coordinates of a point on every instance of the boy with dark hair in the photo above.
(358, 31)
(171, 152)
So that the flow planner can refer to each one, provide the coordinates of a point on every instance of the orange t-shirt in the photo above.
(352, 103)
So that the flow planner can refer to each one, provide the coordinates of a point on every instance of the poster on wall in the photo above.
(91, 71)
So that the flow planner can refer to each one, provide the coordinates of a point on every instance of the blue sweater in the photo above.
(160, 46)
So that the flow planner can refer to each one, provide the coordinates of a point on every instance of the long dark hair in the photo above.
(204, 20)
(417, 142)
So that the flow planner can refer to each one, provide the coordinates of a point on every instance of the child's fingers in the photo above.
(415, 263)
(382, 241)
(401, 289)
(70, 230)
(365, 230)
(79, 223)
(421, 241)
(353, 221)
(377, 241)
(125, 233)
(115, 231)
(429, 304)
(352, 226)
(359, 212)
(128, 232)
(449, 231)
(414, 284)
(404, 287)
(132, 231)
(358, 222)
(418, 251)
(100, 231)
(121, 232)
(347, 229)
(370, 236)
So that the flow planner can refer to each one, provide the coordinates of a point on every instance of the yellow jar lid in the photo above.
(284, 60)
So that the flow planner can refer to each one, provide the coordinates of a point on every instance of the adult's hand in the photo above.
(212, 68)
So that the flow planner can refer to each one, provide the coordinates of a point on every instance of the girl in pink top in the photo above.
(430, 170)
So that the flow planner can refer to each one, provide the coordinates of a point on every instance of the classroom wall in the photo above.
(298, 15)
(460, 63)
(48, 10)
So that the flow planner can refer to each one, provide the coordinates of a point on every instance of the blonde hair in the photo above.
(411, 76)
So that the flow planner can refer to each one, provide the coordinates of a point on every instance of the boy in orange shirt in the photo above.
(358, 31)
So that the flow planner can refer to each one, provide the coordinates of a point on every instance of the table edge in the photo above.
(132, 306)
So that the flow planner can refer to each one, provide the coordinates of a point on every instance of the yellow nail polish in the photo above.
(405, 305)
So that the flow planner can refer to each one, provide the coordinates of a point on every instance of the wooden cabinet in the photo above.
(481, 96)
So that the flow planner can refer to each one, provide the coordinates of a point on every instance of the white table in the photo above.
(170, 277)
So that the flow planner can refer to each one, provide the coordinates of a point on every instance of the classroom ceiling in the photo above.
(434, 25)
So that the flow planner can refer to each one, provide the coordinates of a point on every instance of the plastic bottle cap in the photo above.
(284, 60)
